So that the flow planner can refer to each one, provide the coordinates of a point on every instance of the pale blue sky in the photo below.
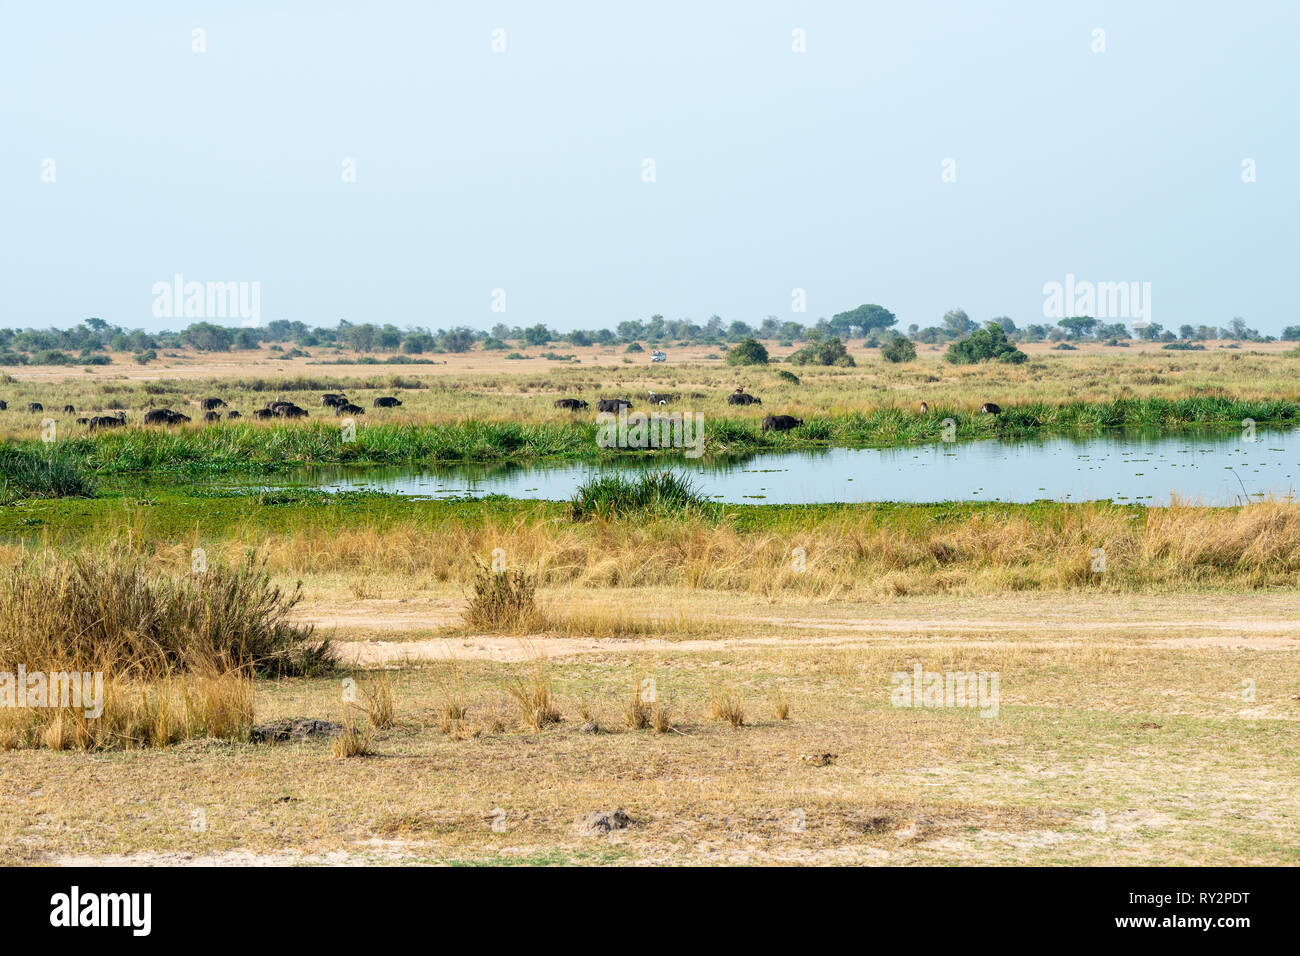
(522, 170)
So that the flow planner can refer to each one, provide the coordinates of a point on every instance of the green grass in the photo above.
(653, 493)
(247, 448)
(38, 470)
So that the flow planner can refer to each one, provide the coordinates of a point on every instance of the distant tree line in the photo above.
(89, 342)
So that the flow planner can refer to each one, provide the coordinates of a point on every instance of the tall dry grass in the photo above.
(852, 553)
(177, 653)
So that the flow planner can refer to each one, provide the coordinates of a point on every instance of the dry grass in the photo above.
(851, 553)
(728, 706)
(352, 741)
(377, 693)
(156, 713)
(534, 698)
(782, 708)
(503, 601)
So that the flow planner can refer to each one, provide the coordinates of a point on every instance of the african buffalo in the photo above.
(387, 402)
(164, 416)
(743, 398)
(83, 421)
(347, 408)
(989, 408)
(232, 415)
(612, 404)
(662, 398)
(35, 407)
(333, 400)
(212, 416)
(107, 421)
(263, 413)
(3, 405)
(572, 404)
(208, 404)
(781, 423)
(69, 410)
(289, 410)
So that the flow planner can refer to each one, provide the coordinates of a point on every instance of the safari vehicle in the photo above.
(658, 356)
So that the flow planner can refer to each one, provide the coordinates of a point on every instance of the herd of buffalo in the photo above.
(342, 407)
(211, 411)
(780, 423)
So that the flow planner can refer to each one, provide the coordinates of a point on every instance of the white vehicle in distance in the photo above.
(658, 356)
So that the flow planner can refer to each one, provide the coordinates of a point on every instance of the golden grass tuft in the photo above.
(728, 706)
(352, 741)
(534, 699)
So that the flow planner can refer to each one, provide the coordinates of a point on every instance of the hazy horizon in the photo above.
(782, 161)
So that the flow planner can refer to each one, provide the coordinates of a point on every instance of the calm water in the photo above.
(1219, 469)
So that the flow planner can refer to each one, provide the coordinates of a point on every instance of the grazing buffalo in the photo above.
(208, 404)
(276, 405)
(212, 416)
(572, 404)
(35, 407)
(662, 398)
(3, 405)
(107, 421)
(164, 416)
(387, 402)
(989, 408)
(781, 423)
(612, 404)
(333, 400)
(69, 410)
(925, 408)
(743, 398)
(347, 408)
(83, 421)
(232, 415)
(263, 413)
(289, 410)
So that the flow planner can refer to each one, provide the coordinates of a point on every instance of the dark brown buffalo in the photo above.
(208, 404)
(69, 410)
(781, 423)
(662, 398)
(83, 421)
(212, 416)
(35, 407)
(232, 415)
(387, 402)
(289, 410)
(612, 404)
(3, 405)
(164, 416)
(333, 400)
(263, 413)
(989, 408)
(743, 398)
(107, 421)
(572, 404)
(347, 408)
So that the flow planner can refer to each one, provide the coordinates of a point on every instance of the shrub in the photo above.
(503, 600)
(748, 352)
(898, 349)
(107, 612)
(830, 352)
(634, 347)
(986, 344)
